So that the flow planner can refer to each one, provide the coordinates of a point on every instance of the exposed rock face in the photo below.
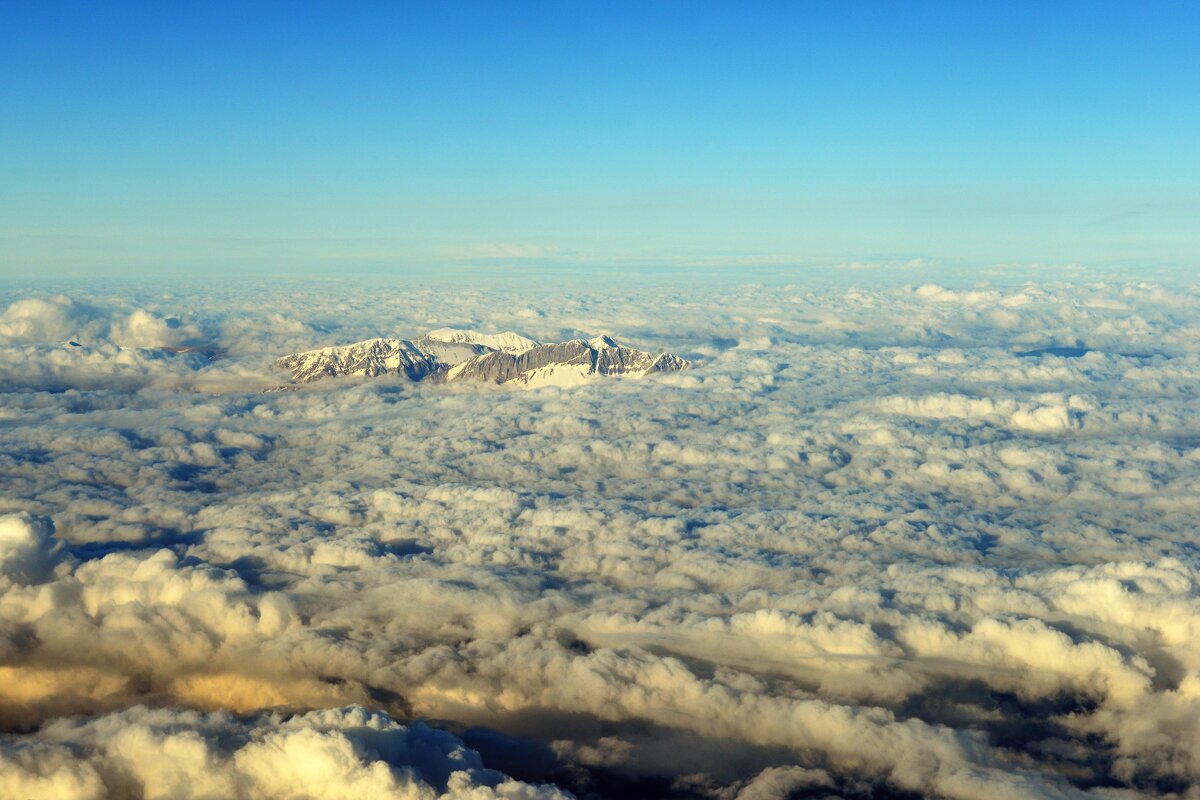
(469, 356)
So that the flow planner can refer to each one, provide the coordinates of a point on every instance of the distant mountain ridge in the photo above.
(448, 354)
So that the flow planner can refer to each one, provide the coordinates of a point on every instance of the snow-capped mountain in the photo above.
(452, 355)
(368, 359)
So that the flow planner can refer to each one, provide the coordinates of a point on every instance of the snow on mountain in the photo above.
(507, 341)
(562, 375)
(602, 343)
(448, 355)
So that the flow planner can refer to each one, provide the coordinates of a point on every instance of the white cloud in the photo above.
(863, 544)
(57, 319)
(335, 753)
(28, 553)
(42, 320)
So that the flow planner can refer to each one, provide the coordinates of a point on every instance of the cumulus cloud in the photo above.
(28, 553)
(49, 320)
(44, 319)
(59, 343)
(333, 753)
(926, 539)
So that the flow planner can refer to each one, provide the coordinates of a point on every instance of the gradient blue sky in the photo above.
(140, 138)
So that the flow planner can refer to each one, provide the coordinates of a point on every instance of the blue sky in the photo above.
(147, 138)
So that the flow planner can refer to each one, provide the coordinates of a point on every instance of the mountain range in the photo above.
(448, 354)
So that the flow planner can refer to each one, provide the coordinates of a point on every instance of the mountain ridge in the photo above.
(447, 354)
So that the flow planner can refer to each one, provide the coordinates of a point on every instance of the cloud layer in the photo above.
(925, 539)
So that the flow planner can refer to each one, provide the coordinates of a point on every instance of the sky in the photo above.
(143, 139)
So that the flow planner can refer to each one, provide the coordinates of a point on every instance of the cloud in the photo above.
(57, 319)
(940, 294)
(334, 753)
(44, 320)
(863, 548)
(1048, 413)
(28, 553)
